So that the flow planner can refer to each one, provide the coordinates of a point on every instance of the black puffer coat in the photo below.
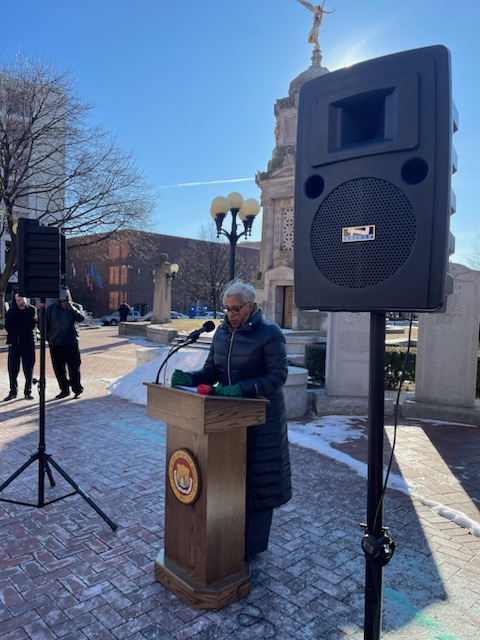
(254, 356)
(20, 326)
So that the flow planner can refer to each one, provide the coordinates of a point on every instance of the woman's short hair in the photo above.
(239, 288)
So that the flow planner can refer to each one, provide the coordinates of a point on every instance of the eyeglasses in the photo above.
(234, 311)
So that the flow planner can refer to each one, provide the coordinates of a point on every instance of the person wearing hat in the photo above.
(20, 323)
(62, 318)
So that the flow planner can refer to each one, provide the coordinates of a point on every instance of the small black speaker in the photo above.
(40, 255)
(372, 186)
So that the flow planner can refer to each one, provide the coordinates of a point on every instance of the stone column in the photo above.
(162, 296)
(446, 364)
(348, 347)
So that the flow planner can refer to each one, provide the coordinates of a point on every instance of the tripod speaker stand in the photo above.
(45, 460)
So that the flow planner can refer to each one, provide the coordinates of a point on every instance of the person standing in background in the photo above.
(20, 323)
(123, 310)
(62, 334)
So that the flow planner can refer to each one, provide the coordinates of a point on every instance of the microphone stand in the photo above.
(173, 350)
(190, 339)
(45, 459)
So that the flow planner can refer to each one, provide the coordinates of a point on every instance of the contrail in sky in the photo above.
(196, 184)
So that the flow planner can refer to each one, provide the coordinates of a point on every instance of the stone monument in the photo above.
(162, 295)
(446, 363)
(277, 185)
(348, 345)
(347, 365)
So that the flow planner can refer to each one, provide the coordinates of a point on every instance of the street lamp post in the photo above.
(172, 271)
(246, 211)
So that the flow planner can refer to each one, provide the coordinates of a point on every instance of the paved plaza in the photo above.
(64, 573)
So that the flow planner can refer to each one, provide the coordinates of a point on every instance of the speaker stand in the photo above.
(376, 543)
(44, 459)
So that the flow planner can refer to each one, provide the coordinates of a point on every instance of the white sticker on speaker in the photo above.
(358, 234)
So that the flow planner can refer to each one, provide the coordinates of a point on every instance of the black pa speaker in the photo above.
(40, 259)
(372, 185)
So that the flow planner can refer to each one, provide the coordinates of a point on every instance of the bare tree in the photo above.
(474, 257)
(56, 165)
(204, 268)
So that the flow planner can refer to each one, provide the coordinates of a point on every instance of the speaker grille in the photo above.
(361, 202)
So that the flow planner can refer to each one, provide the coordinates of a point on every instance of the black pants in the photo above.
(25, 354)
(67, 357)
(257, 531)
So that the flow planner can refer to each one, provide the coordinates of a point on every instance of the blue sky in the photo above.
(190, 85)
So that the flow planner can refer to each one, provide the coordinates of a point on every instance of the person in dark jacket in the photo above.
(248, 358)
(123, 311)
(62, 334)
(20, 323)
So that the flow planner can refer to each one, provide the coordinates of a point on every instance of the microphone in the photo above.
(207, 326)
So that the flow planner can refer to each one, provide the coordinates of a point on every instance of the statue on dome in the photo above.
(318, 11)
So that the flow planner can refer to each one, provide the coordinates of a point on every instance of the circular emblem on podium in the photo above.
(184, 476)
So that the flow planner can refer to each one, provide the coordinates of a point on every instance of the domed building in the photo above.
(275, 284)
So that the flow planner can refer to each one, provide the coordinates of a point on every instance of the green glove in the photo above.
(231, 390)
(180, 378)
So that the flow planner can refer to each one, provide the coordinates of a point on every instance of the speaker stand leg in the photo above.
(376, 410)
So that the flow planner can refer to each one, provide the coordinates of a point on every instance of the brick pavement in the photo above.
(65, 574)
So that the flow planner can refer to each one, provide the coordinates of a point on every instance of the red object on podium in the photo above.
(206, 389)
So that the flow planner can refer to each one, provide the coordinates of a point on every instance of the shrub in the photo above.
(315, 358)
(394, 363)
(315, 355)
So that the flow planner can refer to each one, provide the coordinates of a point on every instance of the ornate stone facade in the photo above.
(275, 285)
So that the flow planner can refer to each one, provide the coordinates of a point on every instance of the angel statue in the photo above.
(318, 11)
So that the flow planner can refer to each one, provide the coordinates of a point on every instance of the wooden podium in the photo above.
(203, 561)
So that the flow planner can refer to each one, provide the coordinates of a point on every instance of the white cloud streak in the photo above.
(196, 184)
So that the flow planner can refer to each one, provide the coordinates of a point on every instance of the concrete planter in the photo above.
(295, 392)
(160, 335)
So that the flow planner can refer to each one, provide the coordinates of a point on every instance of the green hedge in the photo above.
(315, 356)
(394, 363)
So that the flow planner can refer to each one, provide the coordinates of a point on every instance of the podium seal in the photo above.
(184, 476)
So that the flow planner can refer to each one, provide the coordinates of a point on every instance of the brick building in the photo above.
(106, 269)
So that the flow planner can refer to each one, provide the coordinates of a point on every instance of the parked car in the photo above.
(114, 318)
(174, 315)
(147, 317)
(209, 315)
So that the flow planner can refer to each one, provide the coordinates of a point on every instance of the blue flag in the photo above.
(94, 273)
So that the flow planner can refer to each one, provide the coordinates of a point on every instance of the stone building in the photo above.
(275, 284)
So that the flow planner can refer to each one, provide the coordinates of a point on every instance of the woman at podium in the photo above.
(248, 358)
